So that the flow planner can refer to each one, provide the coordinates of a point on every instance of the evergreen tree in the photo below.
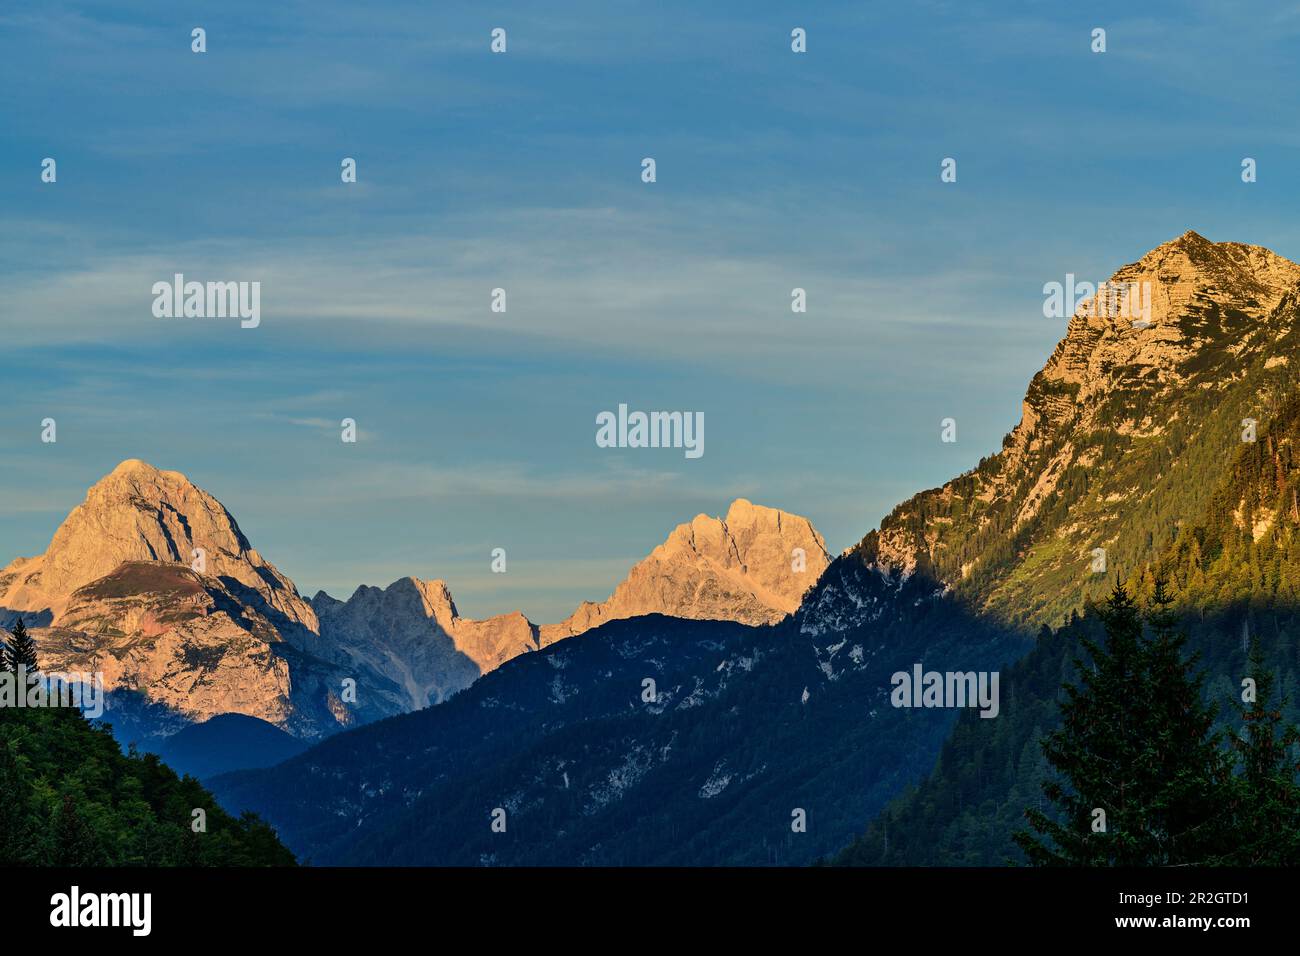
(1188, 770)
(1267, 798)
(1090, 743)
(20, 649)
(1139, 777)
(74, 840)
(17, 827)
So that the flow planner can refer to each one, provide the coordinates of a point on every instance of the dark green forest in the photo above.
(69, 796)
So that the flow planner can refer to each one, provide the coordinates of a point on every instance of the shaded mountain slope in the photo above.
(749, 725)
(227, 742)
(1234, 573)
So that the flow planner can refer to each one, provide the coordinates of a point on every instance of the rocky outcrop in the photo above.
(179, 638)
(1207, 301)
(139, 513)
(1017, 534)
(753, 566)
(151, 584)
(412, 633)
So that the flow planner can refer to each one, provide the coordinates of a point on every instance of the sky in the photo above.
(522, 171)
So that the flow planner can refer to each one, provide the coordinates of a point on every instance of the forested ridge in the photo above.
(69, 796)
(1233, 581)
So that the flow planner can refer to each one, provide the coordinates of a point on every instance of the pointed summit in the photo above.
(140, 513)
(1234, 275)
(1191, 239)
(150, 583)
(1119, 417)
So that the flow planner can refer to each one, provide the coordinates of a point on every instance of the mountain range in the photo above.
(1127, 440)
(730, 702)
(151, 583)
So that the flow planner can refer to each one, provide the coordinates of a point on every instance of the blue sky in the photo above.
(522, 171)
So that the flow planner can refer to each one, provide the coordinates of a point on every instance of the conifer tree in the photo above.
(1139, 777)
(17, 828)
(1090, 742)
(74, 842)
(1188, 771)
(20, 649)
(1267, 798)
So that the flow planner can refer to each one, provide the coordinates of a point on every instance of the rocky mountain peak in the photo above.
(151, 581)
(1134, 390)
(411, 633)
(1232, 274)
(138, 466)
(1197, 305)
(752, 543)
(140, 513)
(741, 567)
(435, 595)
(752, 566)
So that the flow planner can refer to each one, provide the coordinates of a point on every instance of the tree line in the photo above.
(1142, 771)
